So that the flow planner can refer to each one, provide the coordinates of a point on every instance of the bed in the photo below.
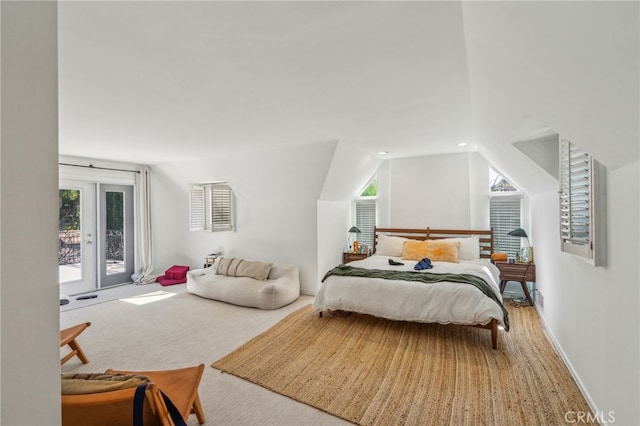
(460, 288)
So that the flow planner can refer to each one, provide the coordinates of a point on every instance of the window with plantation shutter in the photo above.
(366, 221)
(221, 207)
(504, 216)
(577, 201)
(196, 208)
(211, 207)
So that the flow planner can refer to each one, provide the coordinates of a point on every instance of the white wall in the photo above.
(434, 191)
(350, 170)
(276, 193)
(592, 312)
(334, 219)
(29, 300)
(478, 192)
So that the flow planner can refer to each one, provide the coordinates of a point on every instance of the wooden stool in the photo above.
(68, 337)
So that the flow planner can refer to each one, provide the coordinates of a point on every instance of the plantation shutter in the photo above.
(366, 221)
(576, 200)
(221, 207)
(504, 216)
(196, 208)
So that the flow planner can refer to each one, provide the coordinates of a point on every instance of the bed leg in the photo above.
(320, 313)
(494, 333)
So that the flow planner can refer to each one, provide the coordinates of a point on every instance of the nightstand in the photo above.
(520, 272)
(350, 257)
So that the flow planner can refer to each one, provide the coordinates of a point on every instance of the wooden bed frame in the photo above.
(486, 248)
(486, 237)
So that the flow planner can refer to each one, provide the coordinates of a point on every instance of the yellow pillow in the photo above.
(414, 250)
(435, 250)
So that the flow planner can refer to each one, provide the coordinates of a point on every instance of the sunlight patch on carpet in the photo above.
(154, 296)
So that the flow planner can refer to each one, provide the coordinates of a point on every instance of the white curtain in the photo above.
(144, 247)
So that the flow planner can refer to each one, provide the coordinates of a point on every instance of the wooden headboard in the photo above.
(485, 237)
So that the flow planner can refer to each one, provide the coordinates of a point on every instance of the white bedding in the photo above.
(445, 302)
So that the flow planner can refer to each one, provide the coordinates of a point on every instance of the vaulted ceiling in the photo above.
(161, 81)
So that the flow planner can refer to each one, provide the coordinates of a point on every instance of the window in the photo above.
(196, 208)
(504, 217)
(577, 201)
(499, 183)
(366, 221)
(366, 213)
(221, 207)
(211, 207)
(505, 207)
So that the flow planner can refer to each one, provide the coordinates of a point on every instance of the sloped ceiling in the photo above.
(164, 81)
(568, 67)
(154, 82)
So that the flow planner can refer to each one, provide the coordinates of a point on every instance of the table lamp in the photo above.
(519, 232)
(354, 230)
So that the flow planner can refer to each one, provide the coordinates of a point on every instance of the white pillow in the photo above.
(388, 245)
(469, 247)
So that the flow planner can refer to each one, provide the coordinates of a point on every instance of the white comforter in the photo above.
(443, 302)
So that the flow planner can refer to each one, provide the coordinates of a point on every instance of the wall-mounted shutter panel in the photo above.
(576, 200)
(221, 207)
(366, 221)
(505, 217)
(196, 208)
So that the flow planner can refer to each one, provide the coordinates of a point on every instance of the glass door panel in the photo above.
(116, 234)
(76, 230)
(69, 255)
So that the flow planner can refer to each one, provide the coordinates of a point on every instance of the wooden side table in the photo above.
(520, 272)
(350, 257)
(210, 259)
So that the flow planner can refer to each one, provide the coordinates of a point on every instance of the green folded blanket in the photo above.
(422, 277)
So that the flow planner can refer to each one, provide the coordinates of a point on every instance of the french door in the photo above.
(115, 250)
(95, 235)
(77, 229)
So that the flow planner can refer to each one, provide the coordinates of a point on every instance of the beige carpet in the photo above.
(373, 371)
(186, 330)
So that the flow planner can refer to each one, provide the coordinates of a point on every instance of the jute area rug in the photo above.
(372, 371)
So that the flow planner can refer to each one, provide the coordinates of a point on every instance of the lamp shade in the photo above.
(518, 232)
(355, 229)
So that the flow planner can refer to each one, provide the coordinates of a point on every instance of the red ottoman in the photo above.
(175, 275)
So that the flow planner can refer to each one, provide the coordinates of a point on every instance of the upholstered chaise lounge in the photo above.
(224, 282)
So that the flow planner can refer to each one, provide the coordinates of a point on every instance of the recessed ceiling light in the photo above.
(383, 152)
(462, 144)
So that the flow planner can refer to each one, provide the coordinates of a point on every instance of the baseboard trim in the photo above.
(307, 291)
(567, 362)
